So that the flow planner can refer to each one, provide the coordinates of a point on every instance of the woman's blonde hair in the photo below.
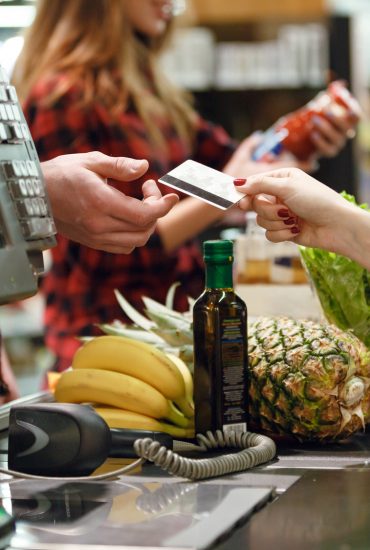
(93, 45)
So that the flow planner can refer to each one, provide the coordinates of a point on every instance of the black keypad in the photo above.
(12, 127)
(26, 224)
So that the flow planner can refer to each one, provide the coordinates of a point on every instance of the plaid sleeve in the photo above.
(63, 128)
(213, 146)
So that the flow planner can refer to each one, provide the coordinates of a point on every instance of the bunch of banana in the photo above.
(132, 384)
(121, 418)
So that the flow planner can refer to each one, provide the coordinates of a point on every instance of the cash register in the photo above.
(26, 223)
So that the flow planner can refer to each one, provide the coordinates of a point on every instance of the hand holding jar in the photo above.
(320, 128)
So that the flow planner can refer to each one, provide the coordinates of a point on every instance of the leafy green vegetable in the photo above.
(342, 286)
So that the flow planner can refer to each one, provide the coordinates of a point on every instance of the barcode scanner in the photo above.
(65, 439)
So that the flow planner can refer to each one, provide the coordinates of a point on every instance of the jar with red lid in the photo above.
(293, 132)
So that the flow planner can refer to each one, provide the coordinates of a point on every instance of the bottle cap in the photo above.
(218, 251)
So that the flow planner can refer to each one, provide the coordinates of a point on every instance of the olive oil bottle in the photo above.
(220, 346)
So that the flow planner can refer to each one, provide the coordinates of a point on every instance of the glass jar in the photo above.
(293, 132)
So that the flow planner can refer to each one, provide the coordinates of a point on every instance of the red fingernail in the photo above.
(290, 221)
(295, 230)
(239, 181)
(283, 213)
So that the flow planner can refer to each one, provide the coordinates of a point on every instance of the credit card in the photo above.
(204, 183)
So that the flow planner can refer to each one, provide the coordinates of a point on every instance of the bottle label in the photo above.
(234, 386)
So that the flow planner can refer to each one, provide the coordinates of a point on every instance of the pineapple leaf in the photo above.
(174, 337)
(191, 303)
(164, 321)
(132, 313)
(133, 333)
(152, 306)
(171, 295)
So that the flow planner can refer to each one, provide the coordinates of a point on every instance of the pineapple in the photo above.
(307, 380)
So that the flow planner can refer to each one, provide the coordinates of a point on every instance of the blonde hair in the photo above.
(93, 45)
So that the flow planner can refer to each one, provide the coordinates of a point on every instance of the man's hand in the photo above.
(89, 211)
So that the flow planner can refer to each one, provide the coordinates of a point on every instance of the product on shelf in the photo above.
(252, 254)
(293, 132)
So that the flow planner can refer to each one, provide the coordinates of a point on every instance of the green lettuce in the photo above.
(342, 286)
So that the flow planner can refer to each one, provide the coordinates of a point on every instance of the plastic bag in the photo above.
(342, 286)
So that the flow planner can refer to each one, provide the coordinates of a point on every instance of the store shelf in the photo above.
(258, 90)
(16, 16)
(219, 11)
(249, 63)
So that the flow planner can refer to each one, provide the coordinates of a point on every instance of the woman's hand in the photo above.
(242, 164)
(330, 134)
(293, 206)
(89, 211)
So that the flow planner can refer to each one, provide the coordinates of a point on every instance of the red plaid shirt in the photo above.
(79, 286)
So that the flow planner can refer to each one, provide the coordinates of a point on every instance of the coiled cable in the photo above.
(256, 449)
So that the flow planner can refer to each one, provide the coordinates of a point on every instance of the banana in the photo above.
(134, 358)
(185, 403)
(120, 418)
(118, 390)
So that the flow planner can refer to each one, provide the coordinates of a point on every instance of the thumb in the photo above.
(270, 183)
(247, 146)
(118, 168)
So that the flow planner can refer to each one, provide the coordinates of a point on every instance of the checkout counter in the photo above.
(309, 497)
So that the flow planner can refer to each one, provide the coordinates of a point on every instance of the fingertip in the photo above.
(171, 199)
(239, 181)
(145, 161)
(139, 164)
(136, 166)
(283, 213)
(172, 195)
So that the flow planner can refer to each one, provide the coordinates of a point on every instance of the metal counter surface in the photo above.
(309, 497)
(324, 510)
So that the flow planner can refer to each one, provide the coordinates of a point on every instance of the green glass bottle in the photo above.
(220, 346)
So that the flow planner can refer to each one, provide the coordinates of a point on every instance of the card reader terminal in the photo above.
(26, 223)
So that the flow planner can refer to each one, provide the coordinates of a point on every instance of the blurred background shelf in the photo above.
(249, 63)
(215, 11)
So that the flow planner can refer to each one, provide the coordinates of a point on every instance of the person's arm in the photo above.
(354, 240)
(292, 205)
(87, 208)
(89, 211)
(186, 220)
(192, 216)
